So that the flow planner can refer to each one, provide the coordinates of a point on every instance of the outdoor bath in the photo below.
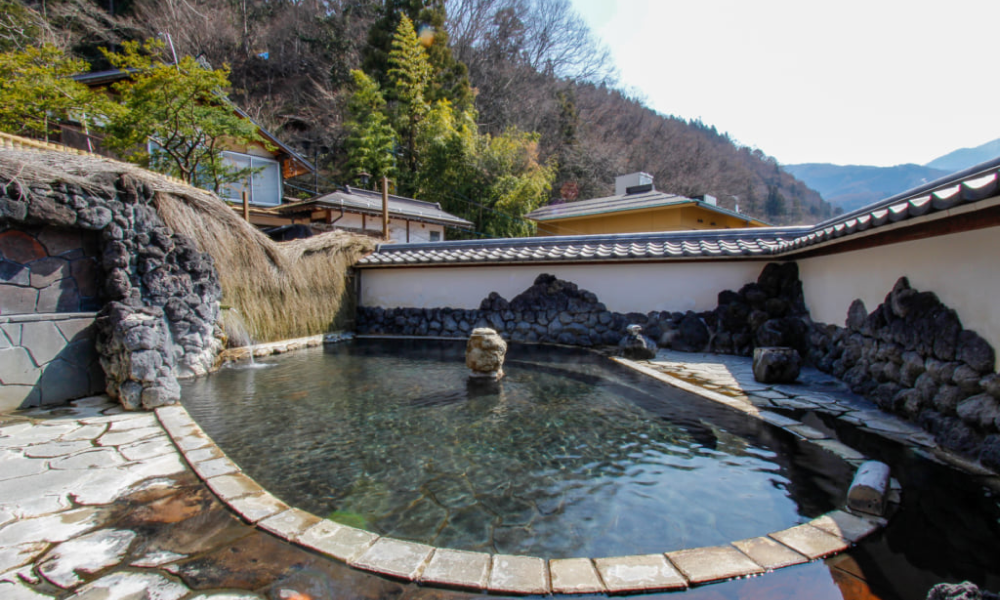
(570, 456)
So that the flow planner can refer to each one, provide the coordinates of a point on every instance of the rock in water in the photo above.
(959, 591)
(484, 354)
(636, 346)
(776, 364)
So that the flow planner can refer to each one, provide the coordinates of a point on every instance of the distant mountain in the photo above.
(966, 157)
(853, 186)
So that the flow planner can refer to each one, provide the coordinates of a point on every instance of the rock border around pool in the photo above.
(829, 534)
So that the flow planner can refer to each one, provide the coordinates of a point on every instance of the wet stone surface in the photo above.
(157, 532)
(569, 456)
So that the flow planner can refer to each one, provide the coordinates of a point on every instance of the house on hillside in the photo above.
(273, 162)
(637, 207)
(360, 211)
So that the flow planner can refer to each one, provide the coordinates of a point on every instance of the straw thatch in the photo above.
(282, 290)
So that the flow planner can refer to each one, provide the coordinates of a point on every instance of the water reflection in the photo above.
(568, 455)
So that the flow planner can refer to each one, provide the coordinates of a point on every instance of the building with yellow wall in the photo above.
(637, 207)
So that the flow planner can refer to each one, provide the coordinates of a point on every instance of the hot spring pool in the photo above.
(570, 455)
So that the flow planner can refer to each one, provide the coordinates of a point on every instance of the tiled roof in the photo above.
(951, 191)
(369, 202)
(710, 243)
(625, 202)
(963, 188)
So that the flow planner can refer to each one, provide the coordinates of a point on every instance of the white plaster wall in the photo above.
(397, 227)
(638, 287)
(348, 220)
(961, 268)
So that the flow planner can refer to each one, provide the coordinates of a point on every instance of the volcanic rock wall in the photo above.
(911, 355)
(159, 295)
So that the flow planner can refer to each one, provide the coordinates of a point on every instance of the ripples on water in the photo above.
(569, 455)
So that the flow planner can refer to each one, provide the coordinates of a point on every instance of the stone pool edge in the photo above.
(823, 536)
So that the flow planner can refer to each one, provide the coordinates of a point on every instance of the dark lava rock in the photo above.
(976, 352)
(692, 335)
(636, 346)
(990, 456)
(776, 365)
(959, 591)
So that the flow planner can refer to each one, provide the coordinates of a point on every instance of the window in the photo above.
(435, 236)
(263, 186)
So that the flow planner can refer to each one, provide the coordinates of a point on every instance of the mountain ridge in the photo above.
(849, 187)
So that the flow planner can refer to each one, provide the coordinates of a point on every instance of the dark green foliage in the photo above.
(450, 77)
(536, 67)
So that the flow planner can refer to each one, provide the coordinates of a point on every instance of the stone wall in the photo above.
(49, 288)
(48, 270)
(47, 359)
(769, 312)
(911, 355)
(159, 296)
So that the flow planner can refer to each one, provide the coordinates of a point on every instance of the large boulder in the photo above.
(776, 365)
(636, 346)
(485, 352)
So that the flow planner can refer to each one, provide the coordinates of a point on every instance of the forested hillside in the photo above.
(853, 186)
(491, 107)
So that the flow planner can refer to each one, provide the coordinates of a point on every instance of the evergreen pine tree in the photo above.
(371, 139)
(450, 79)
(409, 76)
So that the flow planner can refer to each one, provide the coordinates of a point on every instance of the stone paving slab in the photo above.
(150, 448)
(15, 590)
(67, 564)
(339, 541)
(777, 420)
(128, 436)
(700, 565)
(12, 557)
(289, 524)
(810, 542)
(97, 458)
(405, 560)
(847, 526)
(518, 575)
(231, 487)
(56, 449)
(575, 576)
(458, 568)
(125, 585)
(840, 449)
(86, 432)
(215, 467)
(644, 573)
(807, 432)
(768, 553)
(203, 454)
(257, 506)
(57, 527)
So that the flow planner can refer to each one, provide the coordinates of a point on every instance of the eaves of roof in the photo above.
(962, 189)
(705, 244)
(370, 203)
(627, 203)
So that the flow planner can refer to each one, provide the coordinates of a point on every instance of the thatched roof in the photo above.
(283, 290)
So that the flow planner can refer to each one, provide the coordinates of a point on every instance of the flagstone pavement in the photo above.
(97, 503)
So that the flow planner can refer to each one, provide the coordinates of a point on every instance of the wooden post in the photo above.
(385, 207)
(246, 207)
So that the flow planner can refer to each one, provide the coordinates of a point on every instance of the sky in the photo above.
(871, 82)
